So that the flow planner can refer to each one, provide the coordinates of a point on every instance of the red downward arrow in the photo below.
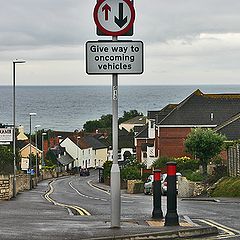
(106, 8)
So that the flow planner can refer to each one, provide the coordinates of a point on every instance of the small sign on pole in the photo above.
(24, 163)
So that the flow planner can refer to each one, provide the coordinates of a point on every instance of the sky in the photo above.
(185, 42)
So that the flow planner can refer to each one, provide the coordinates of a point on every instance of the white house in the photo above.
(88, 152)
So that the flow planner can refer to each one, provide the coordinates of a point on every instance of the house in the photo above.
(173, 123)
(145, 140)
(126, 147)
(87, 151)
(131, 123)
(197, 110)
(25, 151)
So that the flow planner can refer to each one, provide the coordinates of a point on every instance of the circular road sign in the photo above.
(114, 17)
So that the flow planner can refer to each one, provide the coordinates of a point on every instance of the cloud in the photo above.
(187, 39)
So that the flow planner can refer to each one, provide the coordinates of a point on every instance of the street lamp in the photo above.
(14, 126)
(30, 151)
(36, 130)
(78, 151)
(43, 134)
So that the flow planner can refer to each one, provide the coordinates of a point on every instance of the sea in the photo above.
(67, 108)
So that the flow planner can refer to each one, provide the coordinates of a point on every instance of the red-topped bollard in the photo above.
(171, 218)
(157, 208)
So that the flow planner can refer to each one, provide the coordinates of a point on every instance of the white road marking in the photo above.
(228, 232)
(86, 196)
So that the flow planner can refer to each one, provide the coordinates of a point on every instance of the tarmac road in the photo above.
(48, 212)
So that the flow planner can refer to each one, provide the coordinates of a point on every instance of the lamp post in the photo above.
(58, 168)
(36, 130)
(30, 150)
(14, 126)
(43, 134)
(78, 148)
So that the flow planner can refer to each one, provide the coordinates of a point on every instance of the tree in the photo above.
(51, 158)
(131, 169)
(128, 115)
(204, 144)
(6, 160)
(106, 121)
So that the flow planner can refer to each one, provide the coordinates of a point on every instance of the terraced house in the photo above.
(168, 128)
(87, 151)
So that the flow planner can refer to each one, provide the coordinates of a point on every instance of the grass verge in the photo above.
(228, 187)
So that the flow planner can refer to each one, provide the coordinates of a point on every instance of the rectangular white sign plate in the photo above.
(110, 57)
(6, 134)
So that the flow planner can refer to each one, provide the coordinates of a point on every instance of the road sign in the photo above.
(108, 57)
(114, 17)
(128, 33)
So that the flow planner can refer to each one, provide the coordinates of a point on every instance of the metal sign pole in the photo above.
(115, 171)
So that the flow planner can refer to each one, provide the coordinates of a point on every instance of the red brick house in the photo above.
(217, 111)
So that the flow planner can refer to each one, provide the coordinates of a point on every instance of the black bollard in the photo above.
(157, 208)
(171, 218)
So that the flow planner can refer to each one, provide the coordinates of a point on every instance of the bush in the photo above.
(130, 173)
(161, 162)
(131, 169)
(186, 163)
(107, 169)
(193, 176)
(6, 160)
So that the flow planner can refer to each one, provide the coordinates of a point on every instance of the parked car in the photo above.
(148, 184)
(164, 182)
(84, 172)
(147, 189)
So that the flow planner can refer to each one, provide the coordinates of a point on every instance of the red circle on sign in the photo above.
(111, 33)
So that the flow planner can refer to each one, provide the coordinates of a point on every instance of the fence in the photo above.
(233, 160)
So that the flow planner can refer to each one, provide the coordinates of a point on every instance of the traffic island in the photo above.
(172, 233)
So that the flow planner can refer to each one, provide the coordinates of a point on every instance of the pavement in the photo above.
(35, 218)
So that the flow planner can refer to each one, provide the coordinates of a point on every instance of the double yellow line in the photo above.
(77, 209)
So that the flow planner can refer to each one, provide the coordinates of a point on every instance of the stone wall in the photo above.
(187, 188)
(5, 185)
(22, 183)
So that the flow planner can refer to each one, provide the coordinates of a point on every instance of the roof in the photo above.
(125, 139)
(94, 142)
(80, 141)
(65, 159)
(230, 128)
(160, 114)
(201, 109)
(32, 146)
(143, 133)
(88, 142)
(136, 120)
